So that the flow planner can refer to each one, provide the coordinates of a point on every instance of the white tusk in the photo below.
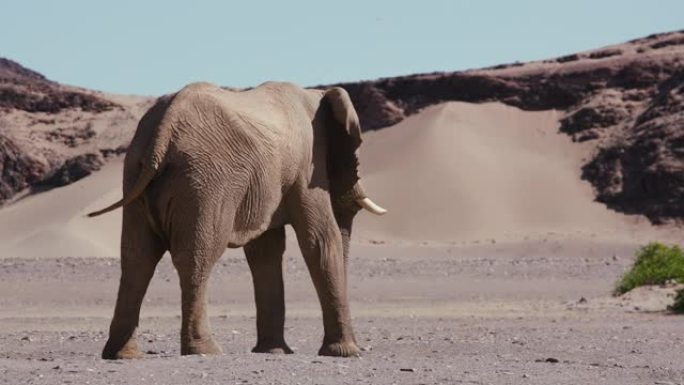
(369, 205)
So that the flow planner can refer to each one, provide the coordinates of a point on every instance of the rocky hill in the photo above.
(627, 101)
(52, 135)
(27, 90)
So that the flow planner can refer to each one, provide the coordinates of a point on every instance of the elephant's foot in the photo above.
(340, 349)
(130, 350)
(279, 347)
(203, 346)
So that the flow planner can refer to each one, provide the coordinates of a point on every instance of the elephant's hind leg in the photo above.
(265, 258)
(141, 250)
(194, 267)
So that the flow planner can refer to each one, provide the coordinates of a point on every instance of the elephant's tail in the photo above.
(150, 165)
(143, 180)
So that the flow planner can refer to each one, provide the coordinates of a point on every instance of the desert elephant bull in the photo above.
(210, 168)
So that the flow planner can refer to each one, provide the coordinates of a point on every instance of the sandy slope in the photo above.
(461, 171)
(452, 173)
(53, 223)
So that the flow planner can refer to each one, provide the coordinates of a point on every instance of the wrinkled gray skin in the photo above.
(209, 169)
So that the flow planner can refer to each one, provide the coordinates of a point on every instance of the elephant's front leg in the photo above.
(194, 267)
(321, 244)
(265, 258)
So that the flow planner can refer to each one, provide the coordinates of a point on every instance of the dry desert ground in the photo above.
(494, 266)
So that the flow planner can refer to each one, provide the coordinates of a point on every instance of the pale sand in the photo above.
(53, 223)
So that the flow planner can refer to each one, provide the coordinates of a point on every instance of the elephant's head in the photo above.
(343, 138)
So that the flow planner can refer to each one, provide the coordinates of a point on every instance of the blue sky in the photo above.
(154, 47)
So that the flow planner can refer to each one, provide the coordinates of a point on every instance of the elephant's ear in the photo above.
(344, 139)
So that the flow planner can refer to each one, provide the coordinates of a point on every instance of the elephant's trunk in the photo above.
(345, 218)
(345, 225)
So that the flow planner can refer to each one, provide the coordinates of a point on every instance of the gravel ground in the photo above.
(527, 313)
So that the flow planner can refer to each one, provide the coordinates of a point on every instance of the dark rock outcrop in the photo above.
(27, 90)
(17, 169)
(643, 173)
(548, 86)
(72, 170)
(30, 165)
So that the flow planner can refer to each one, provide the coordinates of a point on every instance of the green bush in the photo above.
(655, 264)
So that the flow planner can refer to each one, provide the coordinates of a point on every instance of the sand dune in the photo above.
(454, 172)
(53, 223)
(461, 171)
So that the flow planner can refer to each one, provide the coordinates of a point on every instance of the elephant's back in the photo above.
(262, 129)
(229, 151)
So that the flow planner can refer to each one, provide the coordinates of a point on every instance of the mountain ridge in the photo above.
(625, 98)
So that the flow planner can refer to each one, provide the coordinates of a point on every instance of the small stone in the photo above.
(407, 370)
(552, 360)
(525, 375)
(26, 338)
(582, 300)
(516, 341)
(367, 348)
(56, 367)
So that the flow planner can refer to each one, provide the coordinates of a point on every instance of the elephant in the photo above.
(209, 169)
